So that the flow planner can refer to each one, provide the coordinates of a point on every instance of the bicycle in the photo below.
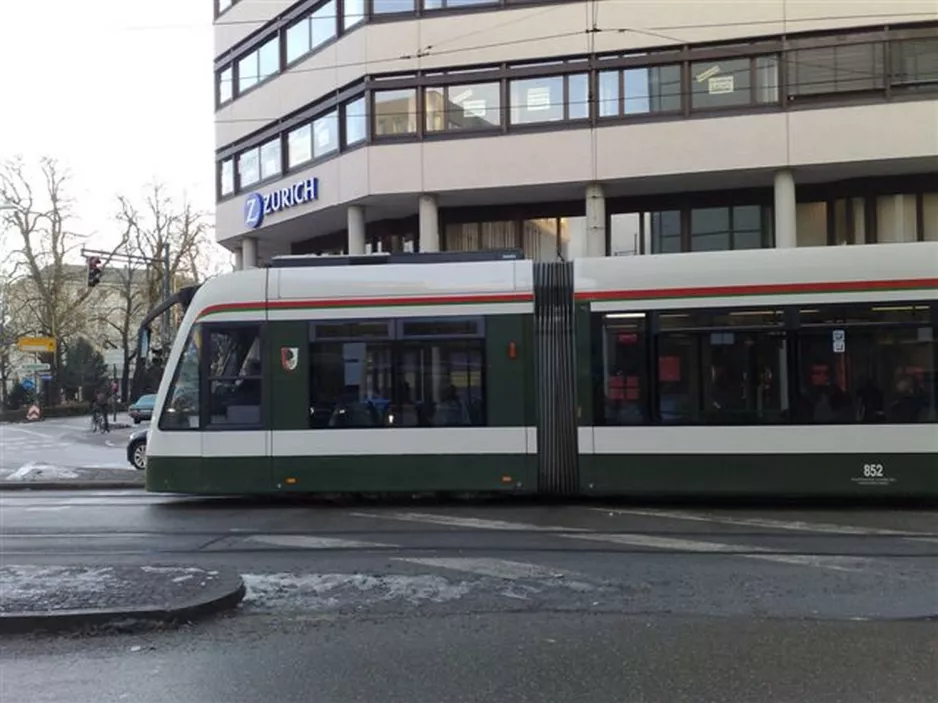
(97, 421)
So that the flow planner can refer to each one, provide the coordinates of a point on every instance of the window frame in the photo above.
(205, 379)
(398, 343)
(195, 332)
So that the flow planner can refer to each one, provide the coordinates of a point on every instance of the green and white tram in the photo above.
(769, 372)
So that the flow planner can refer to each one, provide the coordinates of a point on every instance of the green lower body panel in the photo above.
(898, 475)
(343, 474)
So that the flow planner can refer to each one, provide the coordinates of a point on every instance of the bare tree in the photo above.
(158, 222)
(38, 214)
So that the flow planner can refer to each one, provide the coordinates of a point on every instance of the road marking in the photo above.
(9, 428)
(496, 568)
(472, 523)
(311, 542)
(835, 563)
(768, 523)
(46, 508)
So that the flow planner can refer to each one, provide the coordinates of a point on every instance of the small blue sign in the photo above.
(46, 377)
(257, 205)
(27, 383)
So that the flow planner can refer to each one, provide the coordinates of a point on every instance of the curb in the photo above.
(68, 485)
(23, 623)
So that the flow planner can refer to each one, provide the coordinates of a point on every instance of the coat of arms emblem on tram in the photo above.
(289, 357)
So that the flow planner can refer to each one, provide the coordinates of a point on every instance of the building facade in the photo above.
(573, 128)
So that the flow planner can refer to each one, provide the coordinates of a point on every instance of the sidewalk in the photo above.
(68, 597)
(39, 477)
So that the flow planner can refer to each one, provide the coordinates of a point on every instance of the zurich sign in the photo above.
(257, 205)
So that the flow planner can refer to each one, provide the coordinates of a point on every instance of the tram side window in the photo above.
(181, 410)
(723, 368)
(235, 377)
(622, 397)
(872, 364)
(350, 374)
(412, 373)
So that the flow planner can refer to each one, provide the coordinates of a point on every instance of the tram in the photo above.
(799, 372)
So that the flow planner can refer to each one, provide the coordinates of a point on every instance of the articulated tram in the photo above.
(801, 372)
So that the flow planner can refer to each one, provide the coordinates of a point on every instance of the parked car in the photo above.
(142, 409)
(137, 450)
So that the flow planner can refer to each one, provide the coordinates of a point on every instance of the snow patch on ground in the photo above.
(41, 472)
(324, 591)
(26, 581)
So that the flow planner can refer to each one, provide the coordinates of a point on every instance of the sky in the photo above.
(119, 90)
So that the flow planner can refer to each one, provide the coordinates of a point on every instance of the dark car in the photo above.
(137, 450)
(142, 409)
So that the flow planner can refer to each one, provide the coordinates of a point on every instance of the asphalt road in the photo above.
(65, 443)
(429, 601)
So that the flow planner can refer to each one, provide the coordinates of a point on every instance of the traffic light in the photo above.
(94, 271)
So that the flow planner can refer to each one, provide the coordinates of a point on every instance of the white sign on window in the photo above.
(474, 108)
(839, 339)
(720, 85)
(458, 98)
(539, 98)
(704, 75)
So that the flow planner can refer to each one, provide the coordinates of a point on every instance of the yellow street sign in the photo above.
(36, 344)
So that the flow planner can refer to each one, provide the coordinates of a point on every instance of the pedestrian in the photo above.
(101, 402)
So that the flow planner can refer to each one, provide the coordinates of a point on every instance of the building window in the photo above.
(867, 364)
(395, 112)
(725, 228)
(353, 12)
(388, 7)
(536, 100)
(225, 86)
(249, 171)
(914, 63)
(224, 5)
(766, 79)
(356, 122)
(609, 105)
(440, 4)
(300, 145)
(464, 107)
(259, 65)
(326, 134)
(665, 229)
(652, 90)
(311, 32)
(271, 159)
(235, 377)
(227, 177)
(848, 68)
(725, 83)
(182, 408)
(578, 96)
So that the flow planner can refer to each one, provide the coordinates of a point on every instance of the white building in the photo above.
(573, 128)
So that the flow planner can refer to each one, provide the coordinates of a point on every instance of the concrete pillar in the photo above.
(238, 258)
(249, 253)
(356, 230)
(429, 224)
(786, 210)
(594, 237)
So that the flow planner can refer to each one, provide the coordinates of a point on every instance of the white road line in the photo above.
(311, 542)
(473, 523)
(46, 508)
(835, 563)
(768, 523)
(25, 431)
(496, 568)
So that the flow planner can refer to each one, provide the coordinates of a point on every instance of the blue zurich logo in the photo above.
(254, 210)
